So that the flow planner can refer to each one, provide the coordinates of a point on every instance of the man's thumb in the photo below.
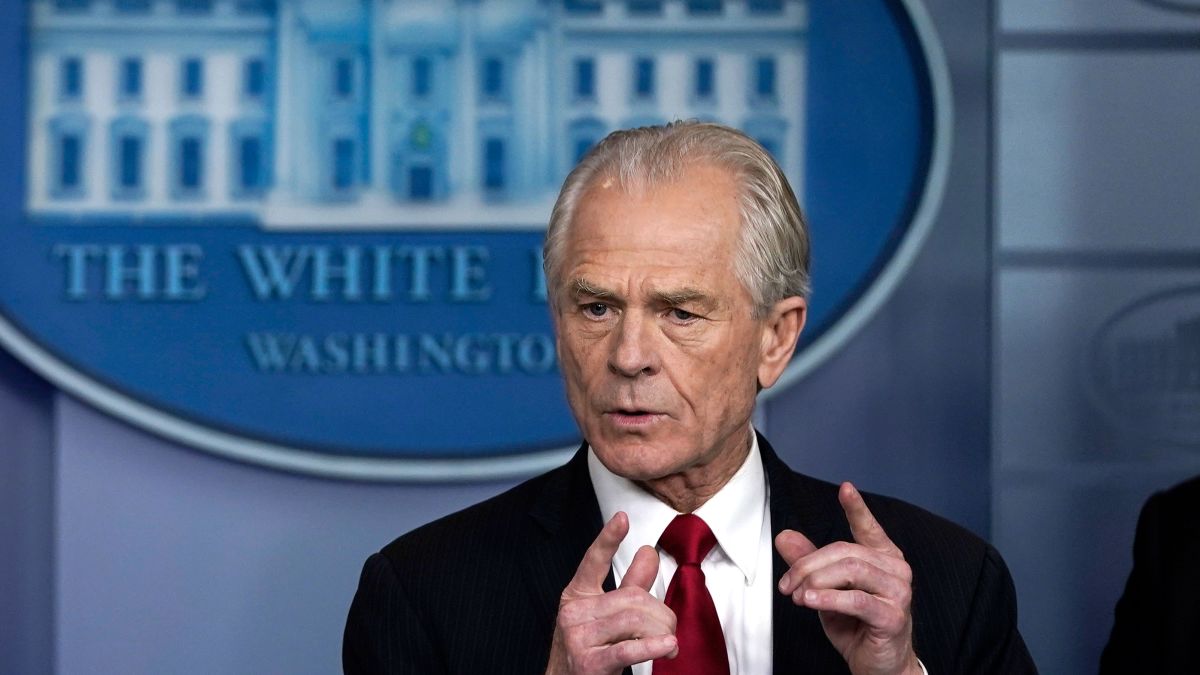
(643, 570)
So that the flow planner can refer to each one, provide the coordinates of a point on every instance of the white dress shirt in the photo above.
(737, 570)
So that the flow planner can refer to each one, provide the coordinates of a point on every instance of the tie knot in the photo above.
(687, 539)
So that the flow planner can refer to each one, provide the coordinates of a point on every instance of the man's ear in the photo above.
(780, 331)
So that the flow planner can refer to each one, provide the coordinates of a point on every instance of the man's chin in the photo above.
(637, 459)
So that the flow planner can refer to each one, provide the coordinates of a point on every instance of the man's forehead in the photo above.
(676, 239)
(680, 289)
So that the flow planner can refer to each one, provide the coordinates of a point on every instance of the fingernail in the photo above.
(810, 596)
(784, 583)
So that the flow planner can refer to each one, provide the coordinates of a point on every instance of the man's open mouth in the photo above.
(633, 416)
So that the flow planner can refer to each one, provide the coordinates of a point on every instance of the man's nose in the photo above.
(633, 350)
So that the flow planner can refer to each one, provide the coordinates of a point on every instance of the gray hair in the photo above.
(773, 254)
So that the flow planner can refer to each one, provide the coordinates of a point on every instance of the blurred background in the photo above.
(1006, 320)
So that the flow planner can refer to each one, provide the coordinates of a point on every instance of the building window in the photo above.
(250, 167)
(70, 161)
(643, 78)
(70, 86)
(764, 78)
(418, 162)
(191, 164)
(582, 146)
(585, 79)
(191, 78)
(130, 162)
(771, 146)
(771, 132)
(493, 78)
(194, 6)
(706, 81)
(584, 133)
(494, 174)
(130, 79)
(68, 143)
(132, 6)
(644, 7)
(584, 6)
(343, 164)
(189, 140)
(420, 183)
(422, 77)
(254, 78)
(70, 164)
(343, 77)
(129, 158)
(764, 6)
(250, 164)
(704, 7)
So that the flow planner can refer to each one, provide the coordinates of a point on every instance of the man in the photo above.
(1157, 619)
(676, 541)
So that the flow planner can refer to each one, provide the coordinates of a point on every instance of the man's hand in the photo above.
(862, 591)
(602, 633)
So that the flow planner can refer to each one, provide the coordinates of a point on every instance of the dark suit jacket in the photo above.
(478, 591)
(1157, 623)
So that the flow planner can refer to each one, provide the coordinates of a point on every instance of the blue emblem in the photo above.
(306, 233)
(1142, 371)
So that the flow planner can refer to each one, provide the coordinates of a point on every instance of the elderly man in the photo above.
(676, 541)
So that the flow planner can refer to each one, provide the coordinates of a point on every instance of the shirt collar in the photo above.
(735, 514)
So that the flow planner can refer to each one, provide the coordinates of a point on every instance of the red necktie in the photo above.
(701, 642)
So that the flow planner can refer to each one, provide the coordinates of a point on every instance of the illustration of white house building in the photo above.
(382, 113)
(1156, 378)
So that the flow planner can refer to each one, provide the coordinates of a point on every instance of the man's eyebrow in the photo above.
(683, 296)
(581, 287)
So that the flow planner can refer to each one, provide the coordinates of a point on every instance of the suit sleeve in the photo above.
(992, 643)
(1133, 645)
(384, 633)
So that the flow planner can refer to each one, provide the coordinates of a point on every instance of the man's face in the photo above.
(656, 338)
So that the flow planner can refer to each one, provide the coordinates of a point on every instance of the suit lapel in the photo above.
(799, 642)
(566, 521)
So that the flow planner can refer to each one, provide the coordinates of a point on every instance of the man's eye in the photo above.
(596, 309)
(682, 315)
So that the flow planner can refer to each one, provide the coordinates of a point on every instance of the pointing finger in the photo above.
(643, 570)
(593, 569)
(866, 530)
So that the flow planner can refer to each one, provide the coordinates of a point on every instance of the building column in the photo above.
(382, 92)
(466, 173)
(285, 183)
